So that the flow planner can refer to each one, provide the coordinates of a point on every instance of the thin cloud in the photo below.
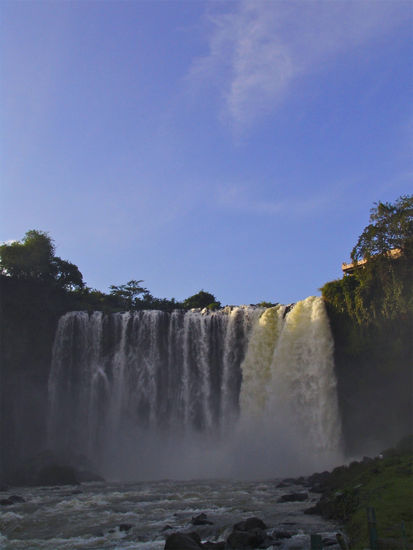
(239, 198)
(258, 49)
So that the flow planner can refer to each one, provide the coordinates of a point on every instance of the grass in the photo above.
(384, 483)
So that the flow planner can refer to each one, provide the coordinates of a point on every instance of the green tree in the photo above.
(34, 258)
(391, 227)
(128, 296)
(200, 300)
(30, 259)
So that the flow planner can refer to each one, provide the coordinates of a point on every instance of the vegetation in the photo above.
(384, 483)
(33, 261)
(371, 315)
(391, 227)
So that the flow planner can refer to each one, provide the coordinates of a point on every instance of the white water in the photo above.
(246, 392)
(89, 516)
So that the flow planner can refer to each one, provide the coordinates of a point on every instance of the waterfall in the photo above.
(155, 394)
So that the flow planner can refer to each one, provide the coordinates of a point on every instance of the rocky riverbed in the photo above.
(124, 516)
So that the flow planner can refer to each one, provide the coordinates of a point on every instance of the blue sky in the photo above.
(235, 147)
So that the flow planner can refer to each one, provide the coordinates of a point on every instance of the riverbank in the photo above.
(384, 483)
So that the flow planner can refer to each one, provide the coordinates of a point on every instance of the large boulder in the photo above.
(249, 534)
(249, 524)
(240, 540)
(201, 519)
(57, 475)
(183, 541)
(50, 468)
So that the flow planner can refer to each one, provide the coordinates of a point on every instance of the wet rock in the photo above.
(183, 541)
(41, 468)
(201, 519)
(254, 538)
(124, 527)
(57, 475)
(86, 476)
(249, 524)
(293, 497)
(282, 535)
(12, 499)
(214, 545)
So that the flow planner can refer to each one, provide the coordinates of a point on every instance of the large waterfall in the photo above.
(244, 391)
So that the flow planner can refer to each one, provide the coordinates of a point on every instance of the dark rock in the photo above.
(39, 469)
(12, 499)
(293, 497)
(282, 535)
(183, 541)
(214, 545)
(241, 540)
(313, 510)
(57, 475)
(201, 519)
(125, 527)
(86, 475)
(249, 524)
(16, 499)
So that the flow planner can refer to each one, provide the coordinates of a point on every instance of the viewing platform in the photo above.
(350, 268)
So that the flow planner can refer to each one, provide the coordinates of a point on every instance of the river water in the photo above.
(93, 515)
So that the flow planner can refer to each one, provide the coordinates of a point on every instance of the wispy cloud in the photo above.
(241, 198)
(258, 48)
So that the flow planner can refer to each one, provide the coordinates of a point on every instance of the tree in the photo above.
(34, 258)
(391, 227)
(29, 259)
(200, 300)
(128, 294)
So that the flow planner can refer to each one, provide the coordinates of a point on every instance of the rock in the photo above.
(201, 519)
(166, 528)
(41, 468)
(86, 475)
(282, 535)
(125, 527)
(240, 540)
(293, 497)
(249, 524)
(183, 541)
(57, 475)
(12, 499)
(214, 545)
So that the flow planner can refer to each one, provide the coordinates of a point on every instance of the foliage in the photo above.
(391, 227)
(371, 316)
(34, 258)
(381, 289)
(267, 304)
(200, 300)
(127, 295)
(385, 483)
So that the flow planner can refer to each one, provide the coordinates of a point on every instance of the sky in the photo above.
(235, 147)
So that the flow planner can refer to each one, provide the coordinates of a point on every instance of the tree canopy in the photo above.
(200, 300)
(391, 227)
(34, 258)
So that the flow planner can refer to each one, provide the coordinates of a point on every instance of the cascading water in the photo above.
(243, 391)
